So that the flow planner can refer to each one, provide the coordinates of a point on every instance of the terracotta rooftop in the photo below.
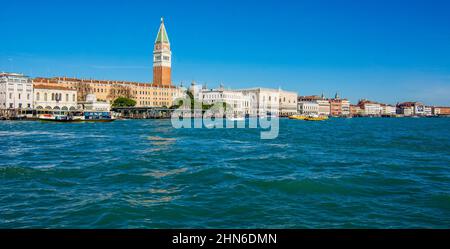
(407, 104)
(315, 97)
(90, 81)
(53, 87)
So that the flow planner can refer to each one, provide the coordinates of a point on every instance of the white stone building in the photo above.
(345, 107)
(16, 91)
(322, 102)
(197, 91)
(324, 107)
(428, 111)
(308, 108)
(370, 108)
(265, 101)
(235, 100)
(388, 110)
(288, 103)
(92, 104)
(411, 108)
(250, 102)
(51, 97)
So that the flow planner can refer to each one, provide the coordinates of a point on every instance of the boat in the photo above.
(298, 117)
(236, 119)
(77, 117)
(55, 118)
(317, 118)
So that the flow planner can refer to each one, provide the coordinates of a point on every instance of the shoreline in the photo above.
(168, 118)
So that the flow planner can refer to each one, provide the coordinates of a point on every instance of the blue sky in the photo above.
(383, 50)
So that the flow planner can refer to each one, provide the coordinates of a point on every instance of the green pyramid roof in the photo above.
(162, 36)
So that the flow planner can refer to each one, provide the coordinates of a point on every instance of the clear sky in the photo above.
(384, 50)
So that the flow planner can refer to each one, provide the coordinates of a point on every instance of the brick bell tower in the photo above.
(162, 58)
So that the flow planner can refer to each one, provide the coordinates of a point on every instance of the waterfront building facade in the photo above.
(322, 102)
(308, 108)
(16, 91)
(196, 91)
(249, 104)
(264, 100)
(92, 104)
(440, 110)
(145, 94)
(233, 99)
(324, 107)
(345, 107)
(355, 110)
(288, 103)
(427, 111)
(405, 111)
(411, 108)
(370, 108)
(335, 107)
(53, 97)
(388, 110)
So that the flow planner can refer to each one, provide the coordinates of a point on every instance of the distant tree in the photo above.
(124, 102)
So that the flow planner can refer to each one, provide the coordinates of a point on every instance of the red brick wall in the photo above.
(161, 76)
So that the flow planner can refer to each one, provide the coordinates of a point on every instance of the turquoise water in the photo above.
(342, 173)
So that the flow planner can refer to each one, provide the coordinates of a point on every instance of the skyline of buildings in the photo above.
(63, 93)
(375, 55)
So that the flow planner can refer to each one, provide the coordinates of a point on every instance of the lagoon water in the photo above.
(341, 173)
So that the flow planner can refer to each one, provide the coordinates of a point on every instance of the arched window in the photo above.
(37, 96)
(45, 96)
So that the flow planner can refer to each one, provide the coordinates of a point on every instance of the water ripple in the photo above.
(358, 173)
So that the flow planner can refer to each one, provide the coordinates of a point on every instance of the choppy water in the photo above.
(342, 173)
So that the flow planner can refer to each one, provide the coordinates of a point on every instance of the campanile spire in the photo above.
(162, 58)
